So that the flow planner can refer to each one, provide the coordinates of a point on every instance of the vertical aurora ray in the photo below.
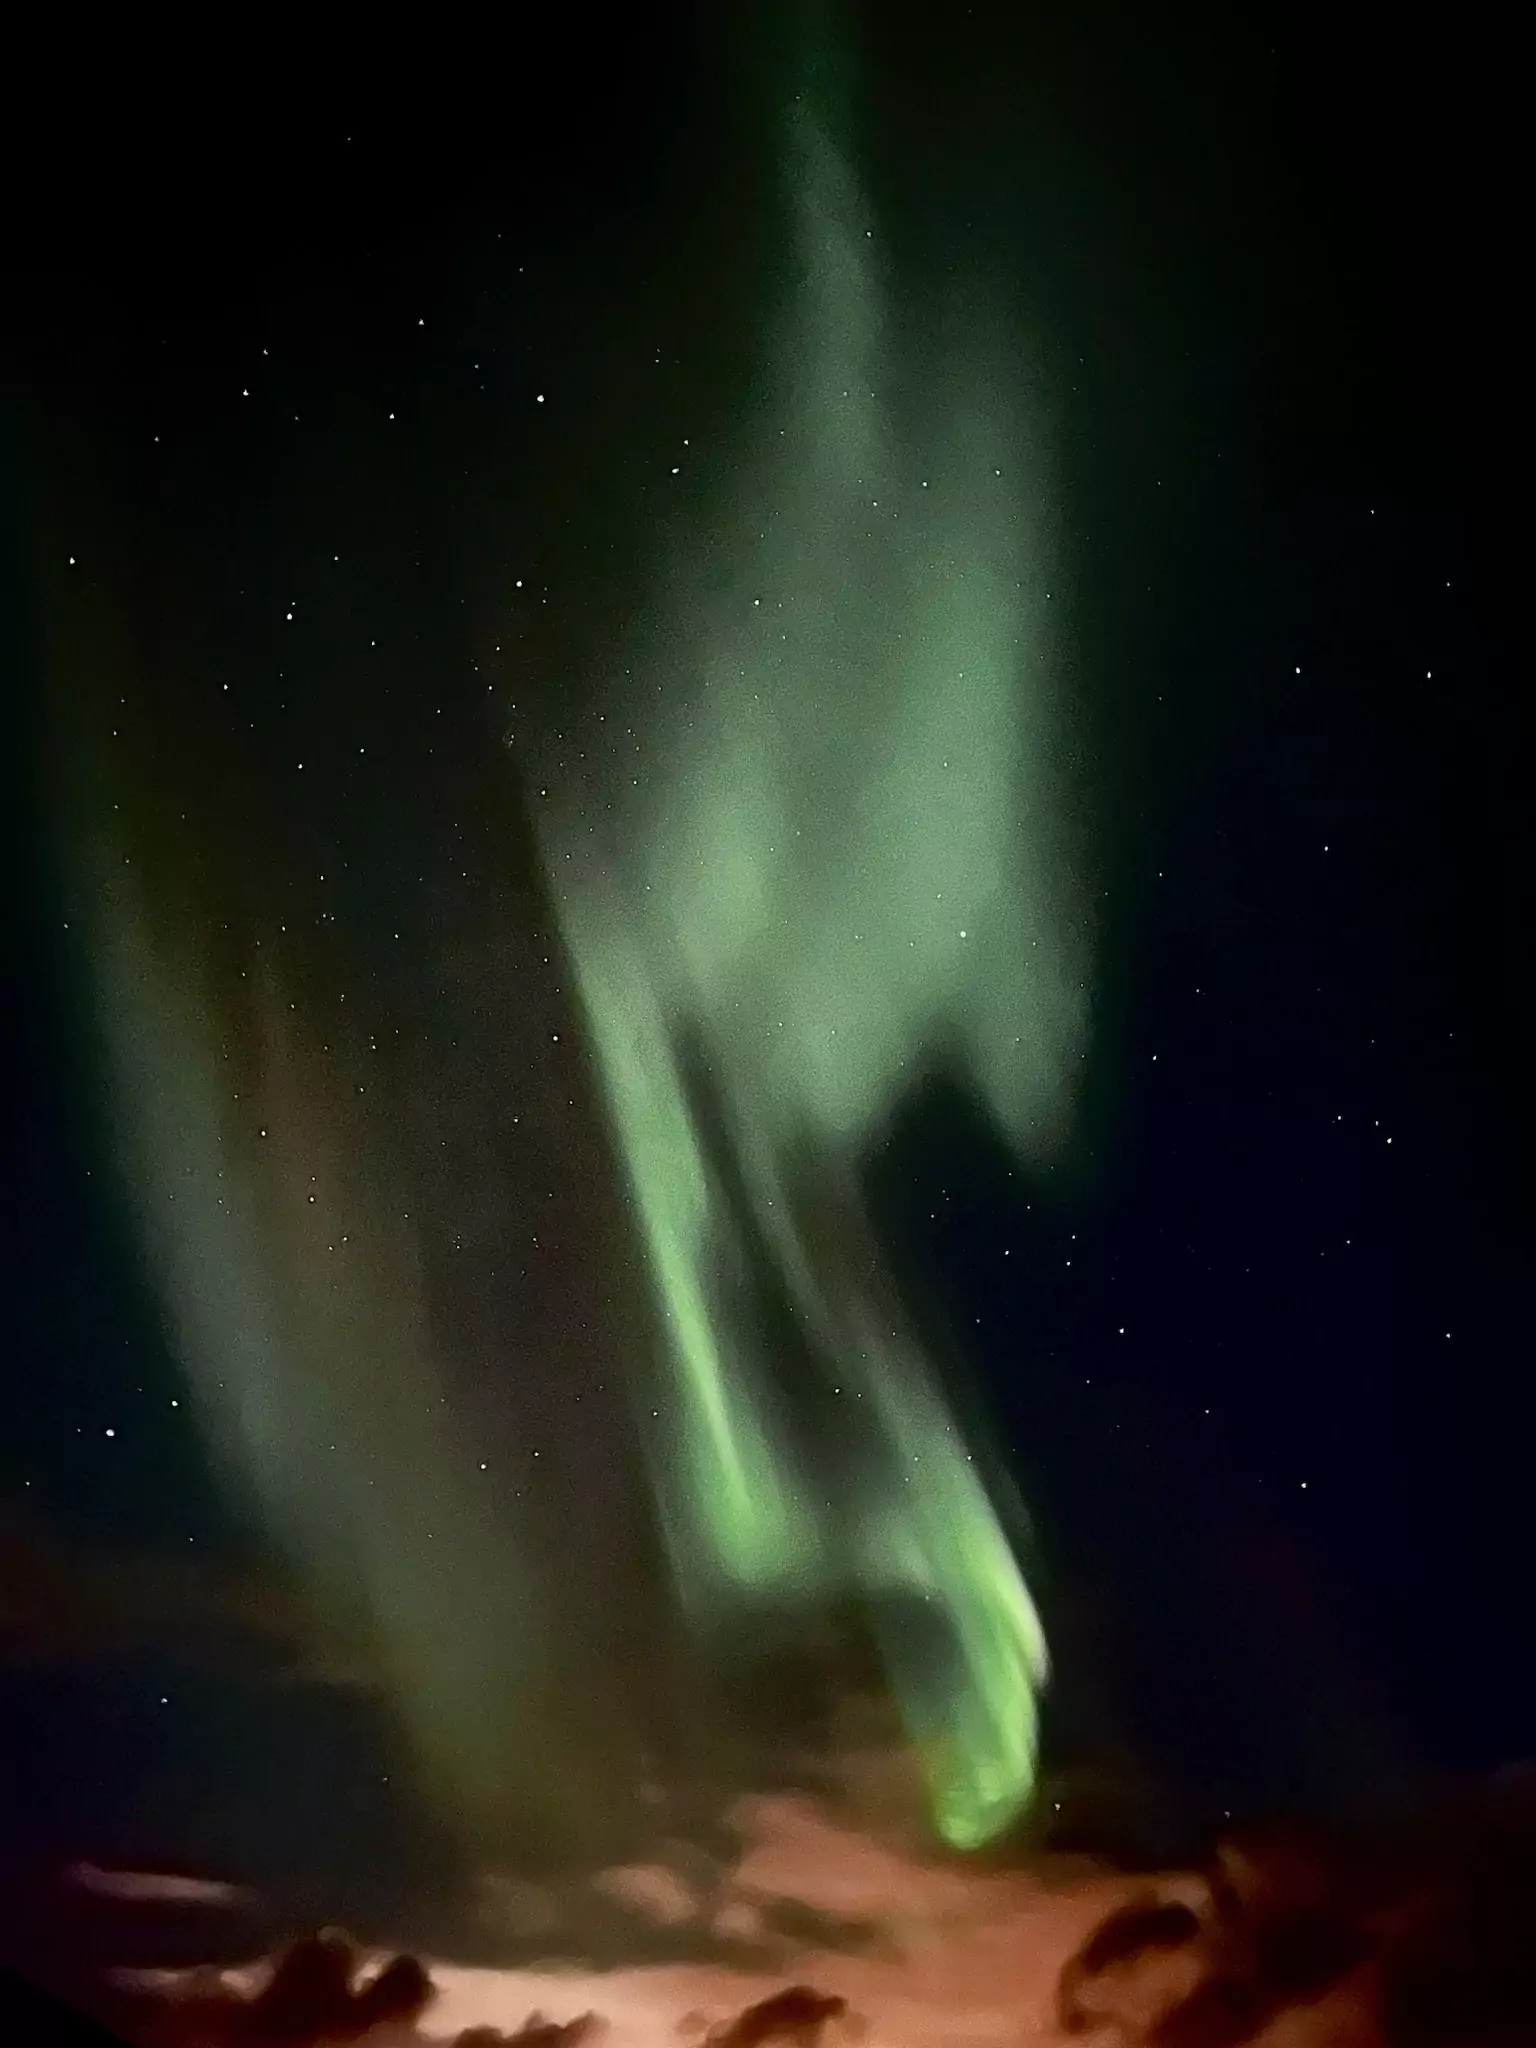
(839, 851)
(846, 850)
(292, 1284)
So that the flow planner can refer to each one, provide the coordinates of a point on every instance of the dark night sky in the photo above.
(1258, 1349)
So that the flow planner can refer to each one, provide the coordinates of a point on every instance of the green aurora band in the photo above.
(847, 850)
(841, 849)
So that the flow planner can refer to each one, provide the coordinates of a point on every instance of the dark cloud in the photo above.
(64, 1599)
(1413, 1936)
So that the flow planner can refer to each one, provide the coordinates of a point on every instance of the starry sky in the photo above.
(350, 460)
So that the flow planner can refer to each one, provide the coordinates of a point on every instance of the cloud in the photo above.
(62, 1600)
(1287, 1936)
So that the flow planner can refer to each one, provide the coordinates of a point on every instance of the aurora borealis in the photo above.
(853, 859)
(858, 857)
(758, 1041)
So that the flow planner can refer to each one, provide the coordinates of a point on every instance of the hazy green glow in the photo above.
(842, 848)
(293, 1283)
(838, 846)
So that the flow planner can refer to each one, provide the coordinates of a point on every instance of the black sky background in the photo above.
(1276, 274)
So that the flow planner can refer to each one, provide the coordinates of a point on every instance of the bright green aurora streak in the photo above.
(848, 849)
(839, 851)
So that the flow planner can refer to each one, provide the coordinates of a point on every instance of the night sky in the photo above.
(344, 426)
